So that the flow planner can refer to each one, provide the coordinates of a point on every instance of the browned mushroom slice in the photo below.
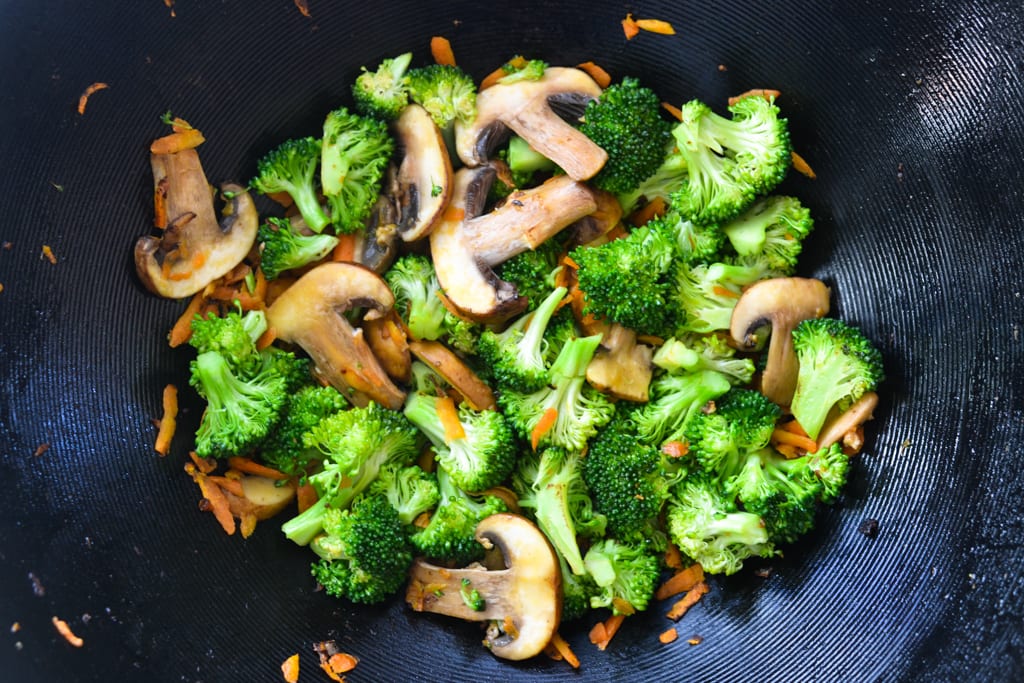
(589, 228)
(465, 245)
(424, 176)
(532, 109)
(622, 367)
(774, 307)
(522, 600)
(311, 313)
(389, 343)
(836, 428)
(453, 370)
(195, 248)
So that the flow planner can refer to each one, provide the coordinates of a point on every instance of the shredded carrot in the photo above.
(87, 93)
(766, 93)
(669, 636)
(544, 424)
(66, 632)
(204, 465)
(441, 51)
(629, 27)
(177, 142)
(672, 109)
(49, 255)
(651, 339)
(782, 436)
(345, 249)
(160, 204)
(303, 7)
(623, 606)
(250, 466)
(600, 76)
(567, 261)
(290, 669)
(182, 330)
(450, 419)
(656, 26)
(655, 207)
(215, 499)
(305, 496)
(787, 450)
(680, 582)
(794, 427)
(802, 167)
(603, 632)
(266, 339)
(719, 290)
(492, 78)
(687, 601)
(41, 449)
(695, 640)
(169, 421)
(675, 449)
(673, 557)
(617, 232)
(230, 484)
(563, 649)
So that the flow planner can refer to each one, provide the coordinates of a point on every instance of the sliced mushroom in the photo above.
(535, 110)
(195, 248)
(622, 367)
(773, 308)
(589, 228)
(424, 176)
(523, 600)
(377, 243)
(311, 313)
(390, 344)
(836, 428)
(453, 370)
(465, 245)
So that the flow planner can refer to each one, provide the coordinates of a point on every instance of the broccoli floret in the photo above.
(233, 335)
(694, 352)
(665, 180)
(550, 487)
(675, 399)
(577, 591)
(626, 575)
(355, 154)
(479, 459)
(710, 529)
(521, 69)
(294, 369)
(629, 480)
(446, 92)
(515, 356)
(417, 296)
(729, 161)
(694, 243)
(383, 93)
(283, 449)
(450, 536)
(282, 248)
(626, 122)
(838, 364)
(568, 411)
(784, 493)
(533, 272)
(707, 294)
(365, 553)
(740, 424)
(524, 161)
(410, 490)
(627, 281)
(291, 167)
(354, 444)
(461, 334)
(240, 412)
(773, 229)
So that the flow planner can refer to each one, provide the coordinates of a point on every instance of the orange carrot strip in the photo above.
(160, 204)
(653, 208)
(492, 78)
(177, 142)
(673, 557)
(87, 93)
(802, 167)
(787, 450)
(668, 636)
(65, 630)
(49, 255)
(231, 485)
(342, 662)
(345, 249)
(450, 419)
(794, 427)
(656, 26)
(567, 261)
(290, 669)
(303, 7)
(719, 290)
(543, 426)
(181, 332)
(680, 582)
(441, 51)
(600, 76)
(305, 496)
(790, 439)
(250, 466)
(687, 601)
(204, 465)
(266, 339)
(168, 422)
(672, 109)
(629, 27)
(611, 627)
(562, 647)
(214, 497)
(766, 93)
(675, 449)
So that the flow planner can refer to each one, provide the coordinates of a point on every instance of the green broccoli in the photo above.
(784, 493)
(626, 122)
(521, 69)
(694, 243)
(295, 369)
(355, 153)
(283, 449)
(418, 296)
(240, 411)
(568, 411)
(577, 591)
(233, 335)
(354, 445)
(729, 161)
(410, 490)
(282, 248)
(838, 364)
(515, 356)
(383, 93)
(666, 179)
(675, 399)
(741, 423)
(533, 272)
(705, 295)
(461, 334)
(479, 459)
(446, 92)
(364, 552)
(773, 228)
(450, 536)
(709, 528)
(693, 352)
(291, 167)
(550, 486)
(626, 575)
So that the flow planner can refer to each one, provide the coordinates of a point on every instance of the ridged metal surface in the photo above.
(909, 112)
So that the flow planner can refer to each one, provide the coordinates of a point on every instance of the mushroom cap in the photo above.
(424, 176)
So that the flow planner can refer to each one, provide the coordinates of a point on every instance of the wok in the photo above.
(909, 112)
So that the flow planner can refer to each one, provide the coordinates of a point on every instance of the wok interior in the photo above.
(910, 117)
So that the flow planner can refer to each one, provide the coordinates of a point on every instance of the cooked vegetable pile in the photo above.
(513, 345)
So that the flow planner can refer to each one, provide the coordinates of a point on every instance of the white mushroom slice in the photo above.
(195, 249)
(310, 313)
(526, 107)
(854, 416)
(424, 177)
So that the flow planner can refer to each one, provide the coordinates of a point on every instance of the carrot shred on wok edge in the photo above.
(87, 93)
(65, 631)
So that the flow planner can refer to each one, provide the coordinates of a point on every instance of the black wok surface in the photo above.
(910, 112)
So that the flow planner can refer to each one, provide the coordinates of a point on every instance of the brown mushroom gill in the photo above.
(424, 174)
